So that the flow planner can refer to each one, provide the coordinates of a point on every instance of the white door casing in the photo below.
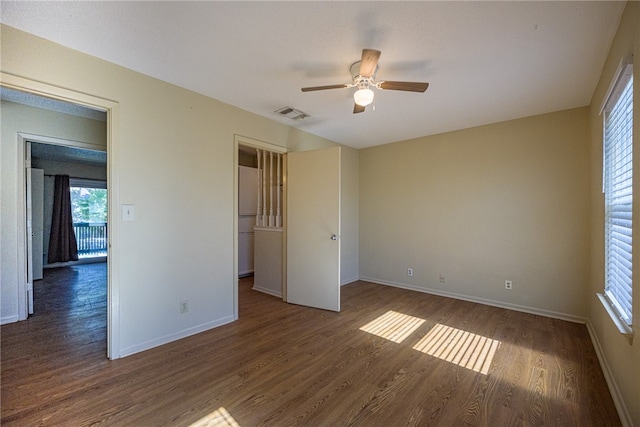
(29, 226)
(112, 109)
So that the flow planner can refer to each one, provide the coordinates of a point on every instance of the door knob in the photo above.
(334, 237)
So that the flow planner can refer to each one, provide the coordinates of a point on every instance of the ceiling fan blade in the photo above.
(309, 89)
(358, 109)
(408, 86)
(369, 62)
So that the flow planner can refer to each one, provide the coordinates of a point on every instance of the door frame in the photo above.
(25, 140)
(113, 265)
(29, 173)
(239, 140)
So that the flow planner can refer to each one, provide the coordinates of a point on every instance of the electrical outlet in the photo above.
(441, 278)
(184, 306)
(508, 284)
(409, 271)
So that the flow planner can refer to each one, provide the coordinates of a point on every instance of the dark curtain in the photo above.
(62, 243)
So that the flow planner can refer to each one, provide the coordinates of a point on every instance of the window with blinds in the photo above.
(618, 189)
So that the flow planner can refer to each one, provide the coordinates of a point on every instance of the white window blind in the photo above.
(618, 177)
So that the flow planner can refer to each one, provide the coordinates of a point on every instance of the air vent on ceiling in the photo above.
(292, 113)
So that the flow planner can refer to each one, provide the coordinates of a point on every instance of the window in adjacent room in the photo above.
(618, 190)
(89, 211)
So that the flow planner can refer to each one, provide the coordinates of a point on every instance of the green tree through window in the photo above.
(89, 205)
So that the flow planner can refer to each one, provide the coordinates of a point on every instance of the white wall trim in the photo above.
(349, 280)
(251, 142)
(8, 319)
(268, 229)
(267, 291)
(485, 301)
(166, 339)
(43, 139)
(23, 139)
(22, 246)
(616, 395)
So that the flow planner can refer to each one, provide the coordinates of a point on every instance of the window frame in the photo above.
(621, 318)
(94, 184)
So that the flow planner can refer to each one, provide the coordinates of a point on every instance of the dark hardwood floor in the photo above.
(391, 357)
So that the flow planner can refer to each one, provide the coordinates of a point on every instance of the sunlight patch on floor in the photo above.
(218, 418)
(463, 348)
(393, 326)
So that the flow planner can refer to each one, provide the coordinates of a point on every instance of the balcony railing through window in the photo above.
(91, 238)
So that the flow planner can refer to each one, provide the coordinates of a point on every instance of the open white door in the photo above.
(313, 228)
(37, 221)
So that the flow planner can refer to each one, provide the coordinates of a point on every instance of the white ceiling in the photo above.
(485, 61)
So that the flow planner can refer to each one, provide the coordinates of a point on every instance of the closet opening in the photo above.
(260, 215)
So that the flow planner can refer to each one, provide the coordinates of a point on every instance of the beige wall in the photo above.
(173, 158)
(39, 121)
(508, 201)
(622, 359)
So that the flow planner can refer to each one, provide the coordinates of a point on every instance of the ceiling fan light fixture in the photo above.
(363, 76)
(363, 97)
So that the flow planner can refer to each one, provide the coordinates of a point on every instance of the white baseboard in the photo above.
(623, 413)
(128, 351)
(94, 260)
(9, 319)
(349, 280)
(493, 303)
(267, 291)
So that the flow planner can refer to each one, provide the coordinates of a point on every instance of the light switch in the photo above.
(128, 213)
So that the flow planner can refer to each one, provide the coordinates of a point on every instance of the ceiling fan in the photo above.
(363, 74)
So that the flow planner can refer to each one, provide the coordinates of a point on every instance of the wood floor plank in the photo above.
(287, 365)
